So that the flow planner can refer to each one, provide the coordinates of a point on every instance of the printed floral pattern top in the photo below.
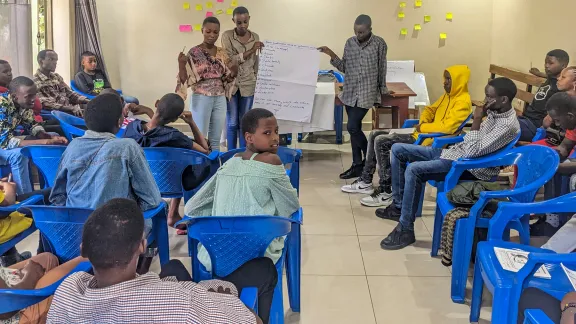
(10, 118)
(207, 75)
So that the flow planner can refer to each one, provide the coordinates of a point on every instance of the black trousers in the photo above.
(533, 298)
(260, 273)
(357, 138)
(53, 125)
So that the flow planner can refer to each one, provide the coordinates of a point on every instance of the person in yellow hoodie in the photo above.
(444, 116)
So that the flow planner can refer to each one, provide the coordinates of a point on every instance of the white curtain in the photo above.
(16, 35)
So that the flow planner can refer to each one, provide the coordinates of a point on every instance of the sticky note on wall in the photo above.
(186, 5)
(220, 1)
(417, 27)
(418, 3)
(404, 31)
(234, 3)
(185, 28)
(229, 11)
(449, 16)
(443, 36)
(401, 14)
(209, 5)
(219, 11)
(427, 18)
(209, 14)
(402, 4)
(198, 7)
(198, 27)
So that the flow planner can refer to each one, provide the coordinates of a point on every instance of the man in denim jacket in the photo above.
(98, 167)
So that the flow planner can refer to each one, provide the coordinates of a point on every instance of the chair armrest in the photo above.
(443, 141)
(540, 135)
(297, 216)
(119, 91)
(213, 155)
(536, 316)
(408, 123)
(30, 201)
(150, 213)
(536, 260)
(249, 297)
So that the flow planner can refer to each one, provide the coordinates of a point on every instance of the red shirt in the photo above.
(37, 106)
(571, 135)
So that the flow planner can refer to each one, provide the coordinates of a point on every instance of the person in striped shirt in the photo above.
(112, 240)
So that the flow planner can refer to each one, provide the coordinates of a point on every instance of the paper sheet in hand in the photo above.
(514, 260)
(571, 274)
(322, 112)
(286, 83)
(403, 131)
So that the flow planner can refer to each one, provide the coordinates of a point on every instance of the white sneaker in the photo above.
(359, 186)
(377, 199)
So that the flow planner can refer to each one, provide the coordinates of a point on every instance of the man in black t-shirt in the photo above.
(534, 114)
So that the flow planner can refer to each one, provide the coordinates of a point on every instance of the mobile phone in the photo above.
(10, 177)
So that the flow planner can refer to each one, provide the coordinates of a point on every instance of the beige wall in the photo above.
(63, 34)
(141, 47)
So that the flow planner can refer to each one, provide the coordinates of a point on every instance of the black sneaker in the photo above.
(9, 259)
(542, 228)
(398, 239)
(391, 212)
(355, 171)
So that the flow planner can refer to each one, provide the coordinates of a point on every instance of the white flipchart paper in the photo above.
(286, 83)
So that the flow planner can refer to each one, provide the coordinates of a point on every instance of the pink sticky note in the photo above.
(185, 28)
(219, 0)
(209, 14)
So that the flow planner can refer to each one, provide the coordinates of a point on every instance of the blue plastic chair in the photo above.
(287, 155)
(234, 240)
(536, 316)
(17, 299)
(47, 160)
(168, 164)
(506, 286)
(4, 247)
(89, 96)
(408, 123)
(62, 229)
(536, 165)
(69, 124)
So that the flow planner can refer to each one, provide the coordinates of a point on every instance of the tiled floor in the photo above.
(346, 276)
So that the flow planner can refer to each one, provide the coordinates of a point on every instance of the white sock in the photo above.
(553, 219)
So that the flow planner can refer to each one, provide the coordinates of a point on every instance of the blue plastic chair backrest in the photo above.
(46, 158)
(286, 154)
(232, 241)
(465, 123)
(75, 89)
(69, 123)
(167, 165)
(339, 76)
(62, 228)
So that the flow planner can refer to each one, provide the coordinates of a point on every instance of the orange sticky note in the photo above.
(209, 14)
(443, 36)
(402, 4)
(185, 28)
(198, 7)
(417, 27)
(209, 5)
(427, 18)
(404, 31)
(449, 16)
(229, 11)
(401, 14)
(197, 27)
(418, 3)
(234, 3)
(186, 5)
(219, 11)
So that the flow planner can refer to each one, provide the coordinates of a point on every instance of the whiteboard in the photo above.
(286, 81)
(403, 71)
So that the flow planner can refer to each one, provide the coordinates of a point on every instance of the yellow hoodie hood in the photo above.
(452, 109)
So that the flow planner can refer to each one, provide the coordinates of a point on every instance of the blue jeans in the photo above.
(19, 165)
(237, 107)
(209, 113)
(408, 181)
(130, 99)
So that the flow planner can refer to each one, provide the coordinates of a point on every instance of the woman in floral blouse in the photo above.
(205, 69)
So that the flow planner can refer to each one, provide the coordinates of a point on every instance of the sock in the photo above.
(553, 219)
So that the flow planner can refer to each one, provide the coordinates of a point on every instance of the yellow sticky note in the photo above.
(404, 31)
(229, 11)
(401, 14)
(198, 27)
(219, 11)
(443, 36)
(418, 3)
(449, 16)
(402, 4)
(427, 18)
(417, 27)
(234, 3)
(186, 5)
(198, 7)
(209, 5)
